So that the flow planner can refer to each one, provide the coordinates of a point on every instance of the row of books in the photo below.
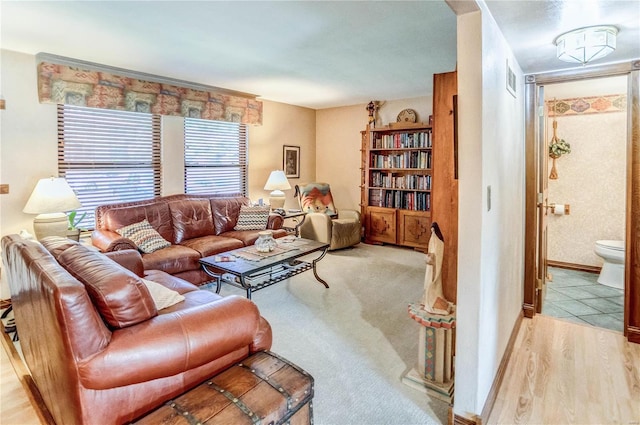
(421, 159)
(402, 140)
(416, 201)
(411, 181)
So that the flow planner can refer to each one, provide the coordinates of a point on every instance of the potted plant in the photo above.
(73, 231)
(557, 148)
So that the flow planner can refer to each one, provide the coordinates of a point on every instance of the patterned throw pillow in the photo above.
(252, 218)
(146, 238)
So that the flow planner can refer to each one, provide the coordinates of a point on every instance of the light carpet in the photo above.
(356, 338)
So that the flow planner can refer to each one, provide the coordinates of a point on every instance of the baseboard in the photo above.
(27, 382)
(572, 266)
(528, 310)
(633, 334)
(462, 420)
(455, 419)
(502, 368)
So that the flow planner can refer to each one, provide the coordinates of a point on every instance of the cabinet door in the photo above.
(381, 225)
(414, 228)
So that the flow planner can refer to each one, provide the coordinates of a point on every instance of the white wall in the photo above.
(491, 241)
(29, 140)
(469, 212)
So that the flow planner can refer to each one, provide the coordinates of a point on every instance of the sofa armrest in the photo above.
(174, 283)
(107, 241)
(276, 221)
(172, 343)
(263, 338)
(317, 227)
(349, 215)
(130, 259)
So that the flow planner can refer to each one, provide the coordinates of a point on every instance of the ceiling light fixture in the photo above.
(586, 44)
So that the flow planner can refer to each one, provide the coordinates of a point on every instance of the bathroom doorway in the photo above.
(587, 119)
(537, 201)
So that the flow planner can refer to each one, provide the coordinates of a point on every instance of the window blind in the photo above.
(108, 156)
(215, 157)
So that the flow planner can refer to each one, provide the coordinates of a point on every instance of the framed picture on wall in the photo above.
(291, 161)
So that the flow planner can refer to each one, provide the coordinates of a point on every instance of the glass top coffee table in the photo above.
(251, 270)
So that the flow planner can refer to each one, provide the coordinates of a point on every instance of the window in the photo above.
(108, 156)
(215, 157)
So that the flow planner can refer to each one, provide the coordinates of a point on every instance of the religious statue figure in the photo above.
(372, 108)
(434, 301)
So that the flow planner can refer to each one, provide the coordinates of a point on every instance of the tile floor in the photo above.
(577, 297)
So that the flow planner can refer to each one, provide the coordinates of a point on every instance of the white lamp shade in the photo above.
(51, 195)
(277, 181)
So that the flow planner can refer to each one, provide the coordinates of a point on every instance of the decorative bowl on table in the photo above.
(265, 241)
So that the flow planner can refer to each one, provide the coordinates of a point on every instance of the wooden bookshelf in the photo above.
(409, 179)
(396, 184)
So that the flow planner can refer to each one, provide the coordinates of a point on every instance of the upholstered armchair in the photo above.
(323, 222)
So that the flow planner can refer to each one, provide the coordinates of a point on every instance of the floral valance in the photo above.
(83, 86)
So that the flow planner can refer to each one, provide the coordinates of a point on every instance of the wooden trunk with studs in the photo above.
(262, 389)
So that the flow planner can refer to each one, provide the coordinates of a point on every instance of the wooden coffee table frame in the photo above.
(255, 275)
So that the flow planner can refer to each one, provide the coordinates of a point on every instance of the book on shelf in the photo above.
(389, 180)
(415, 201)
(413, 160)
(419, 139)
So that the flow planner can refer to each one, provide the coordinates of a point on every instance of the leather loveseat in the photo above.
(98, 349)
(196, 226)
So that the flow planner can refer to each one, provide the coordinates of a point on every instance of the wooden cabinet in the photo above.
(396, 184)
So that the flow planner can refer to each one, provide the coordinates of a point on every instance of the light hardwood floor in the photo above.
(566, 373)
(559, 373)
(15, 406)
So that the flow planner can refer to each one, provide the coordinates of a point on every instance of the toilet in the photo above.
(612, 253)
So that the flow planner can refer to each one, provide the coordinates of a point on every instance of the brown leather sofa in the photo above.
(196, 225)
(66, 298)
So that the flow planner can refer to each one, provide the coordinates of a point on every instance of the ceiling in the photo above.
(530, 27)
(316, 54)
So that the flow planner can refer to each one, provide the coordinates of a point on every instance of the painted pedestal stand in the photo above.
(434, 373)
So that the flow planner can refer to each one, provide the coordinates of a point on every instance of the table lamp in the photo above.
(277, 182)
(50, 199)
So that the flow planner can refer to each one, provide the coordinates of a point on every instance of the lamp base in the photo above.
(277, 199)
(54, 224)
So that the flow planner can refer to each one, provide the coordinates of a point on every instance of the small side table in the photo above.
(298, 222)
(434, 373)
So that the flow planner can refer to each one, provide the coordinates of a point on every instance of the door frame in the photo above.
(533, 150)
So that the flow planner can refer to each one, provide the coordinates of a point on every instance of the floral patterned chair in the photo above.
(323, 222)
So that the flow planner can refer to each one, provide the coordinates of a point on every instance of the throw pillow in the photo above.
(162, 296)
(252, 218)
(146, 238)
